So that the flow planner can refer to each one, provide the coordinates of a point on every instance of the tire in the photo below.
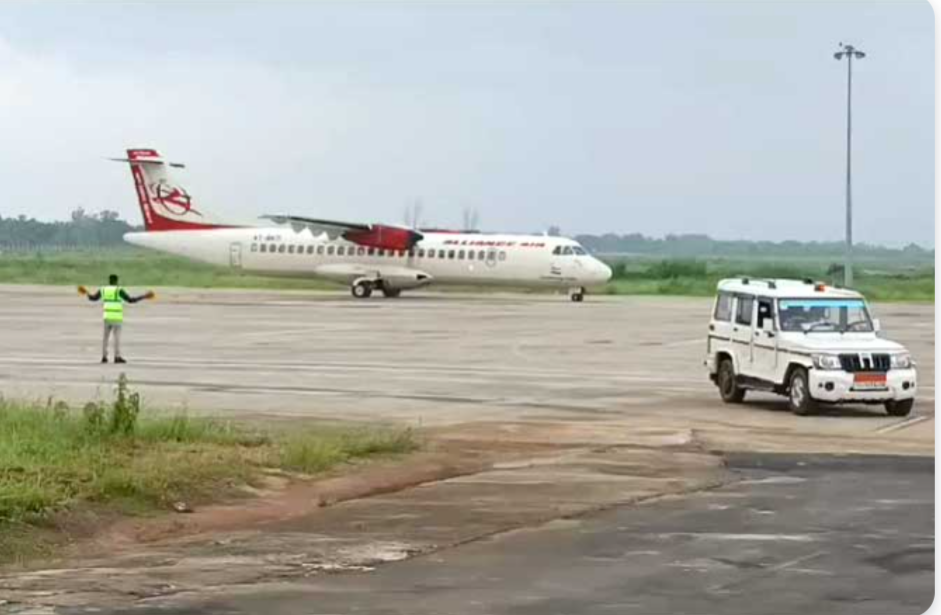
(361, 290)
(391, 293)
(729, 390)
(798, 393)
(900, 407)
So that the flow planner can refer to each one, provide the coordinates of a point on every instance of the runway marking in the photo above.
(904, 424)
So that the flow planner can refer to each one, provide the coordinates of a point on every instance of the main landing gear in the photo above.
(362, 289)
(577, 294)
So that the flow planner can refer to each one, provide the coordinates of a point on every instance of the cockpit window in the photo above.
(567, 251)
(557, 251)
(579, 250)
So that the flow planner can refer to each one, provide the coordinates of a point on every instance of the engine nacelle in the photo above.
(384, 237)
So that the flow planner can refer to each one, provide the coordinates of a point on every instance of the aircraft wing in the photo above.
(381, 236)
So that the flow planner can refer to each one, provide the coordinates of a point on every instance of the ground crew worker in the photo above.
(113, 298)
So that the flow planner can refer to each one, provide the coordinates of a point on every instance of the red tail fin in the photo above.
(165, 204)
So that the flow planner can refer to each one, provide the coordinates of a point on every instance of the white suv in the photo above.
(805, 340)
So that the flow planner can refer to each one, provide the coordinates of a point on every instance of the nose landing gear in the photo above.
(577, 294)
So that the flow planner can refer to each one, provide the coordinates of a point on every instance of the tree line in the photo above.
(82, 230)
(703, 246)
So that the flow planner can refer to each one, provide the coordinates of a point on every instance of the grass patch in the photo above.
(698, 278)
(880, 280)
(138, 268)
(55, 460)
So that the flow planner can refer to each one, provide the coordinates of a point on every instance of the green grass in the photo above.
(138, 268)
(699, 277)
(879, 280)
(56, 461)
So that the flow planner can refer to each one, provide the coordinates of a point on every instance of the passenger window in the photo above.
(502, 255)
(341, 251)
(431, 253)
(451, 254)
(765, 314)
(272, 248)
(482, 255)
(281, 249)
(460, 254)
(290, 249)
(361, 251)
(319, 250)
(492, 256)
(264, 247)
(254, 247)
(723, 307)
(421, 252)
(411, 252)
(743, 310)
(329, 250)
(372, 251)
(470, 255)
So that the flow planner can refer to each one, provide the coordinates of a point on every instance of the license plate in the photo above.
(869, 381)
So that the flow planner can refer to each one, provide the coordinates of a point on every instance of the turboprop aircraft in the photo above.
(367, 257)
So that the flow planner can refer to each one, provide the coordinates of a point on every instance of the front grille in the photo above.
(865, 362)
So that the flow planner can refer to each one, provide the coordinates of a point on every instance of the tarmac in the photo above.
(432, 360)
(607, 475)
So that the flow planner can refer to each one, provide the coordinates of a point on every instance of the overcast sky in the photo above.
(726, 118)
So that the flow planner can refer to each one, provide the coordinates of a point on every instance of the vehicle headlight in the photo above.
(902, 360)
(827, 361)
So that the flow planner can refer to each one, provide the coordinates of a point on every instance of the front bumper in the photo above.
(838, 386)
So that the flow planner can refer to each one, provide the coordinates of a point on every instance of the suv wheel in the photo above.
(798, 393)
(902, 407)
(728, 388)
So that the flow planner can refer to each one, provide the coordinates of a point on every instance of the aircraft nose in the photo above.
(600, 272)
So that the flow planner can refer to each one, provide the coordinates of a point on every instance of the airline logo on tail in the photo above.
(165, 204)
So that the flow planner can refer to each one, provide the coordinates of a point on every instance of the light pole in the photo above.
(849, 52)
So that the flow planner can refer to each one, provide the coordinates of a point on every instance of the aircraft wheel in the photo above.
(578, 295)
(391, 293)
(361, 290)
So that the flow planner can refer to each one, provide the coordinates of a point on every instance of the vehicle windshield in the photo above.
(825, 315)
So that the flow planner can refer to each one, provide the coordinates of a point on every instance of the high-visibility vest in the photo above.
(113, 304)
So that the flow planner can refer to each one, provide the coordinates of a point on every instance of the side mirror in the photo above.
(876, 325)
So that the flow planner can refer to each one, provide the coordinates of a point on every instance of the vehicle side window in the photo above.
(723, 308)
(765, 313)
(743, 309)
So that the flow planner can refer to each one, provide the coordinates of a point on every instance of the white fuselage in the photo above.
(440, 258)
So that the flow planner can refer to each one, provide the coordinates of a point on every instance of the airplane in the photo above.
(367, 257)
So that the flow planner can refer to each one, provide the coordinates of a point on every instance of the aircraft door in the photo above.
(235, 255)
